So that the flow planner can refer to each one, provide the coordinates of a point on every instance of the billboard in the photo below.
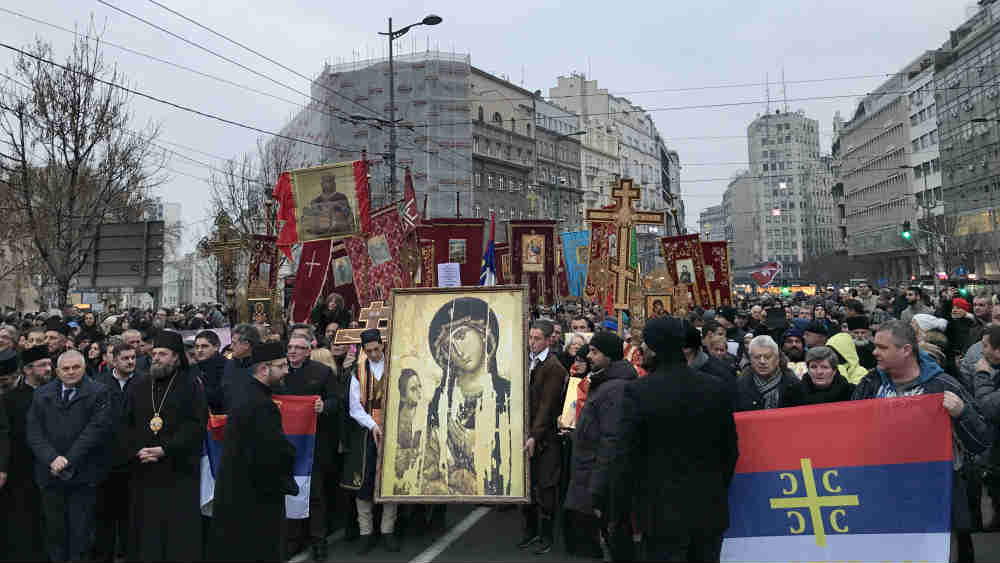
(125, 255)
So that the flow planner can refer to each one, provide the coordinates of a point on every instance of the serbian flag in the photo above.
(488, 275)
(298, 419)
(851, 481)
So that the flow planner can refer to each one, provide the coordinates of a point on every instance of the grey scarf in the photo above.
(769, 390)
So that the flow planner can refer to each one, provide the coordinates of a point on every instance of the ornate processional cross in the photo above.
(374, 316)
(624, 216)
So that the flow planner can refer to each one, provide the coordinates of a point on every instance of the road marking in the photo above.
(436, 548)
(306, 553)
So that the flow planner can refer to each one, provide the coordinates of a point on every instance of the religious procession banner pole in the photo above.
(622, 217)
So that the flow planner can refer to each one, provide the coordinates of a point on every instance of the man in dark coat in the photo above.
(20, 497)
(765, 383)
(212, 367)
(164, 425)
(675, 455)
(306, 377)
(68, 426)
(236, 374)
(255, 471)
(548, 379)
(596, 432)
(112, 494)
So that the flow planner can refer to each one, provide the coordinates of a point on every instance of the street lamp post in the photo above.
(559, 139)
(922, 202)
(393, 35)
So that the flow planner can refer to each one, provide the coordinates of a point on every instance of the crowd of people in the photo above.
(631, 441)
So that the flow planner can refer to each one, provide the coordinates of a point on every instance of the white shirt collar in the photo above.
(541, 356)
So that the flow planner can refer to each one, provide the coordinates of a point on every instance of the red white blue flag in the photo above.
(860, 480)
(298, 420)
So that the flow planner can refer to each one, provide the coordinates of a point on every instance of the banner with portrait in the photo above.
(326, 202)
(453, 240)
(717, 272)
(378, 261)
(576, 257)
(685, 262)
(532, 247)
(456, 397)
(602, 283)
(262, 272)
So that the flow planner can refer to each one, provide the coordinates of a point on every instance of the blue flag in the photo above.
(576, 255)
(488, 275)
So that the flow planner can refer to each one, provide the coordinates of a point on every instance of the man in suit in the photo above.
(236, 374)
(112, 494)
(675, 455)
(68, 424)
(548, 379)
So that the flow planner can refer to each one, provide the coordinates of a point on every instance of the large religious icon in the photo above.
(533, 253)
(342, 273)
(457, 388)
(326, 202)
(457, 250)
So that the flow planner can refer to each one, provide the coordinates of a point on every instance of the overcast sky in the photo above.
(629, 48)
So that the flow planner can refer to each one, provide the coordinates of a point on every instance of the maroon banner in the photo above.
(262, 273)
(340, 279)
(533, 258)
(377, 260)
(686, 265)
(716, 256)
(601, 282)
(310, 278)
(455, 240)
(501, 254)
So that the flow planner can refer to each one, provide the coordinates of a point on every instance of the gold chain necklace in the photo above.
(156, 423)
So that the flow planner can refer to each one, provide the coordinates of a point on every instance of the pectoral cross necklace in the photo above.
(156, 423)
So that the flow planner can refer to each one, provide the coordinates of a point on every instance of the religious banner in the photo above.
(454, 240)
(329, 201)
(601, 282)
(576, 257)
(868, 491)
(262, 274)
(532, 248)
(717, 273)
(502, 255)
(377, 261)
(310, 278)
(455, 405)
(686, 265)
(428, 264)
(562, 291)
(298, 421)
(340, 278)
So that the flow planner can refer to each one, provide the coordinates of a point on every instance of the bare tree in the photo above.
(946, 244)
(74, 160)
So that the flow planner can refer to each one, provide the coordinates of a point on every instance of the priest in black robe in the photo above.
(164, 423)
(256, 469)
(20, 499)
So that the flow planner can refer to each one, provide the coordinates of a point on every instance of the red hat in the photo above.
(961, 304)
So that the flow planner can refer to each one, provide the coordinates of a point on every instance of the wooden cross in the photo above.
(624, 216)
(374, 316)
(223, 247)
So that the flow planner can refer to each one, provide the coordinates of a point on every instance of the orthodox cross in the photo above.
(623, 216)
(374, 316)
(223, 248)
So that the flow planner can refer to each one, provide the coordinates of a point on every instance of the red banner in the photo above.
(533, 262)
(686, 264)
(310, 277)
(455, 240)
(765, 275)
(501, 252)
(340, 278)
(717, 274)
(377, 259)
(602, 284)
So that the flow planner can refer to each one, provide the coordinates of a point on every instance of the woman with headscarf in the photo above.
(470, 406)
(848, 363)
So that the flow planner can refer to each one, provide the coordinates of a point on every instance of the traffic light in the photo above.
(906, 233)
(786, 290)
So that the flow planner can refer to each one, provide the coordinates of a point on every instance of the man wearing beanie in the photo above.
(164, 425)
(596, 425)
(676, 448)
(861, 332)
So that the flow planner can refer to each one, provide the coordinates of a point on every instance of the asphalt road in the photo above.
(490, 534)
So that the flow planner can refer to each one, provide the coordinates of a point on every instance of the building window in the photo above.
(478, 179)
(480, 113)
(478, 210)
(489, 183)
(497, 118)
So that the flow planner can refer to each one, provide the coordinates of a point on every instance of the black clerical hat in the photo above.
(267, 352)
(32, 355)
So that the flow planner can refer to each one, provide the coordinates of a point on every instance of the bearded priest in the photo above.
(164, 423)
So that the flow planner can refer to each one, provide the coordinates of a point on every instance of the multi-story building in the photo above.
(739, 207)
(967, 100)
(558, 168)
(891, 133)
(784, 159)
(712, 223)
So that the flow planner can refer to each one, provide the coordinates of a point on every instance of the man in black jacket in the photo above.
(20, 497)
(765, 383)
(112, 494)
(212, 367)
(255, 469)
(68, 425)
(675, 455)
(236, 374)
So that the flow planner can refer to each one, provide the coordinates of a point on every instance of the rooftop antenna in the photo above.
(784, 89)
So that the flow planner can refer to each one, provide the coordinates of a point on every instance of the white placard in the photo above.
(449, 275)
